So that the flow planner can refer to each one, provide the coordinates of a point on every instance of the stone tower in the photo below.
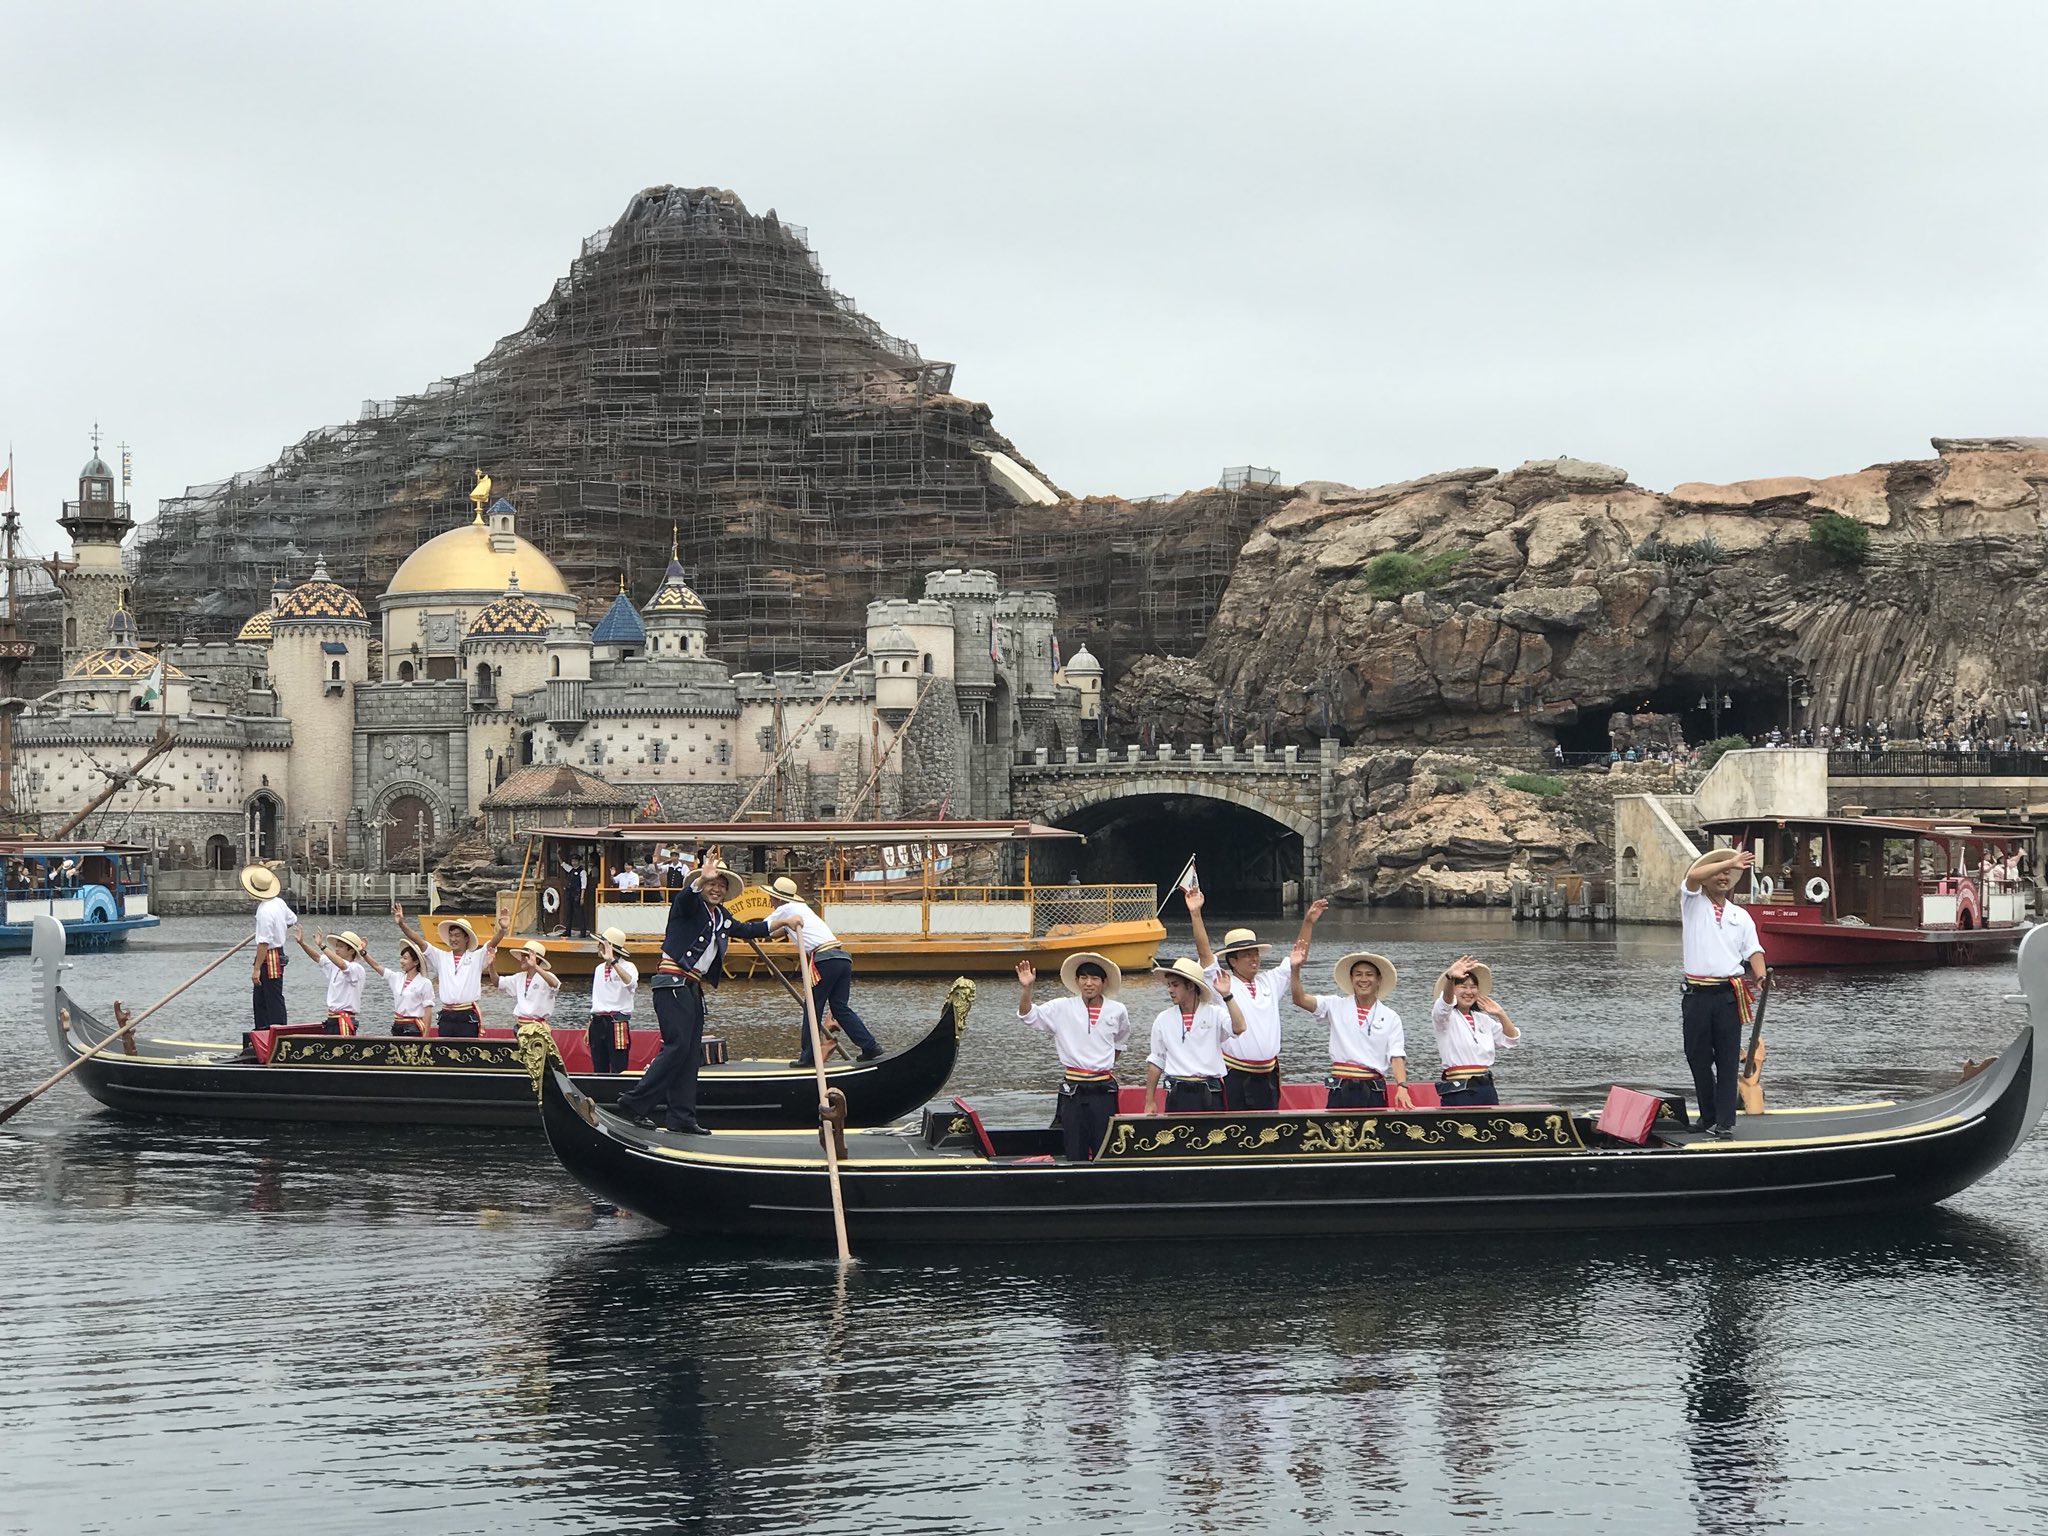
(92, 580)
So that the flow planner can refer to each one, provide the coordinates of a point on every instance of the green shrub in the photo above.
(1710, 754)
(1839, 538)
(1545, 785)
(1397, 573)
(1703, 551)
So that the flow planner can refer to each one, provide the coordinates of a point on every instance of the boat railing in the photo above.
(1078, 906)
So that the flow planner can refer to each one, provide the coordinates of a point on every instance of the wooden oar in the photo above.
(125, 1031)
(1749, 1082)
(788, 986)
(831, 1152)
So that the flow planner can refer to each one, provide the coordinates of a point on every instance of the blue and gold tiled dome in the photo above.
(673, 596)
(515, 615)
(120, 664)
(320, 598)
(258, 627)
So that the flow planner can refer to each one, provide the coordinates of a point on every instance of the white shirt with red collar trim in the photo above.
(1372, 1041)
(1467, 1039)
(1190, 1045)
(1258, 1000)
(1084, 1044)
(532, 993)
(1718, 941)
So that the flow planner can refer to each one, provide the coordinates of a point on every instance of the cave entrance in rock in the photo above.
(1700, 705)
(1245, 859)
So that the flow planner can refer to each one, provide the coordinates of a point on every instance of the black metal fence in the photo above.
(1852, 763)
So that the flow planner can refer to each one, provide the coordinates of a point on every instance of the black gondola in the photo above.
(1317, 1172)
(403, 1081)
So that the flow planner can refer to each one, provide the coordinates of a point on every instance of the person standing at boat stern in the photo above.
(692, 958)
(612, 986)
(829, 962)
(1089, 1029)
(274, 923)
(340, 961)
(458, 973)
(1187, 1040)
(1368, 1047)
(1251, 1077)
(1471, 1030)
(533, 987)
(1722, 959)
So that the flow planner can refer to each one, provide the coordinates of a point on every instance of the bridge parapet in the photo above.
(1188, 757)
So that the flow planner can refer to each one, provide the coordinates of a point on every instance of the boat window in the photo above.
(1898, 857)
(1816, 849)
(1934, 860)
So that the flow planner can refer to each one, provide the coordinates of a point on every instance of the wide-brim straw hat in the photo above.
(1481, 973)
(1691, 868)
(419, 956)
(349, 937)
(535, 948)
(1112, 973)
(782, 885)
(1342, 970)
(444, 924)
(1188, 970)
(614, 939)
(723, 870)
(1238, 940)
(261, 882)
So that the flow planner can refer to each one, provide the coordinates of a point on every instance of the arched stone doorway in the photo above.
(220, 853)
(1246, 852)
(266, 815)
(409, 825)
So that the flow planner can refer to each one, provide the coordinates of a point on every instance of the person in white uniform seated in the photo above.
(1089, 1030)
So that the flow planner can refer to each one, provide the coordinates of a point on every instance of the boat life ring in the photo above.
(550, 900)
(1766, 886)
(1817, 889)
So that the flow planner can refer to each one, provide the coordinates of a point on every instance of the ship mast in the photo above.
(14, 651)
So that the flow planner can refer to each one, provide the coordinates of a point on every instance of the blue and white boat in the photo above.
(98, 891)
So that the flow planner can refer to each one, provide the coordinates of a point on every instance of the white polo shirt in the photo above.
(461, 982)
(274, 921)
(1084, 1043)
(1718, 940)
(532, 993)
(813, 935)
(612, 987)
(1371, 1040)
(412, 997)
(1190, 1045)
(1467, 1039)
(1259, 999)
(344, 985)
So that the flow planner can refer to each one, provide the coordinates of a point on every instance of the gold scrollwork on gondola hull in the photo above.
(1324, 1134)
(960, 998)
(398, 1051)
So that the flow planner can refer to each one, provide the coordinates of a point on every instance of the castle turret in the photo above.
(319, 653)
(1083, 673)
(92, 580)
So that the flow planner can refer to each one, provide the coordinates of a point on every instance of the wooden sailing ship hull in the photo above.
(1312, 1173)
(379, 1079)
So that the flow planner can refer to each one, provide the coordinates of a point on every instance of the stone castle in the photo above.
(333, 736)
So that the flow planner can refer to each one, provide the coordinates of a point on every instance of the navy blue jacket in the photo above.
(694, 922)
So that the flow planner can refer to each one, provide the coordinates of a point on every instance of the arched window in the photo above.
(554, 666)
(483, 677)
(70, 631)
(927, 663)
(405, 671)
(334, 671)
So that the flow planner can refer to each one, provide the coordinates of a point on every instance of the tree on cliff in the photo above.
(1839, 538)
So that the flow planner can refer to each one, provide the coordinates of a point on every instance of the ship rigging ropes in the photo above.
(801, 731)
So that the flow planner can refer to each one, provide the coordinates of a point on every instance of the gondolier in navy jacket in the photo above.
(692, 959)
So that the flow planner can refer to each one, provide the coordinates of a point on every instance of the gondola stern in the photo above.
(46, 947)
(2033, 965)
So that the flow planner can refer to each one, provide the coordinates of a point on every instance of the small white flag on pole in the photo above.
(1185, 881)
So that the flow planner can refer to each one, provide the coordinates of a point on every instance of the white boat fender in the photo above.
(1765, 886)
(1817, 888)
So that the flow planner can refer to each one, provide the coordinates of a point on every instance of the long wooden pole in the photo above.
(831, 1151)
(790, 745)
(788, 986)
(218, 959)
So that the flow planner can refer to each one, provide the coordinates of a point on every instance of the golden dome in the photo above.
(319, 598)
(258, 627)
(122, 664)
(462, 560)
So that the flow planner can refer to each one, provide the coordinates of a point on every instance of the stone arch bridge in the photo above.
(1255, 820)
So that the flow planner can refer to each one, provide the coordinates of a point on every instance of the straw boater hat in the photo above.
(261, 882)
(613, 939)
(1481, 973)
(535, 948)
(1380, 963)
(1237, 941)
(457, 922)
(1112, 973)
(782, 885)
(1188, 970)
(413, 949)
(351, 938)
(722, 869)
(1696, 863)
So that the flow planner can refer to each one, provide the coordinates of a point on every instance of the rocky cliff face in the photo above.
(1574, 593)
(1561, 594)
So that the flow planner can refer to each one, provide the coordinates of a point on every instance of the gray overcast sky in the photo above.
(1354, 242)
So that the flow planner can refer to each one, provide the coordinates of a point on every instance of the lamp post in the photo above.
(377, 826)
(1794, 680)
(1716, 701)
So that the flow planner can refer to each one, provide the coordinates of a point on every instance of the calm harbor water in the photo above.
(212, 1327)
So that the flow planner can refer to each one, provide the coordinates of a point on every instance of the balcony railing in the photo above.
(1851, 763)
